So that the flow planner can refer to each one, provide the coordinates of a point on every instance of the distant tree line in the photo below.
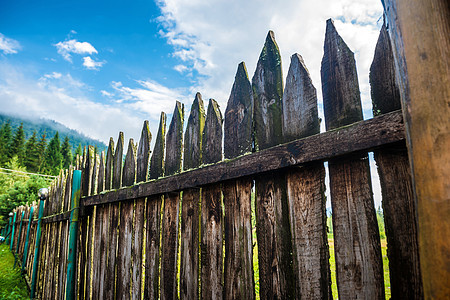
(36, 155)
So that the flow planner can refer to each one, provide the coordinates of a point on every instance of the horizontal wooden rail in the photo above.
(56, 218)
(361, 136)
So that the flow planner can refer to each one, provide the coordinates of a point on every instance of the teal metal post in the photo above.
(18, 239)
(12, 233)
(73, 233)
(25, 248)
(36, 249)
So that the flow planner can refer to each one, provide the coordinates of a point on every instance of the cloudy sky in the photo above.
(106, 66)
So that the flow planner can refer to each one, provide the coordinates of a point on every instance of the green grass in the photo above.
(12, 286)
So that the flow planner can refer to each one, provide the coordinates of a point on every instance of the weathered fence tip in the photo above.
(157, 160)
(193, 135)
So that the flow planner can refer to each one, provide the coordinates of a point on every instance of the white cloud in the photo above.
(91, 64)
(73, 46)
(224, 33)
(180, 68)
(64, 99)
(8, 45)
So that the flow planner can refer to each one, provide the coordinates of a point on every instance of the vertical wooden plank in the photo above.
(105, 219)
(153, 215)
(171, 206)
(125, 236)
(306, 188)
(190, 206)
(64, 236)
(114, 221)
(90, 218)
(142, 165)
(356, 236)
(212, 216)
(273, 233)
(238, 270)
(398, 203)
(420, 31)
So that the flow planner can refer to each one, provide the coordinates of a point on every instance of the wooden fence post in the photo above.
(18, 239)
(73, 236)
(25, 248)
(273, 232)
(171, 207)
(189, 266)
(357, 246)
(420, 35)
(12, 231)
(239, 282)
(212, 215)
(36, 250)
(153, 215)
(399, 208)
(306, 188)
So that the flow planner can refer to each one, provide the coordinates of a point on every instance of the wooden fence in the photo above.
(177, 222)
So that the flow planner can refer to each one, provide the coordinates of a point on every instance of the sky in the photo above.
(101, 67)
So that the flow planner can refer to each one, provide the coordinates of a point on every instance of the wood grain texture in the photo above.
(238, 269)
(153, 214)
(103, 213)
(212, 215)
(362, 136)
(125, 235)
(306, 188)
(239, 116)
(171, 207)
(90, 218)
(189, 265)
(399, 208)
(273, 232)
(356, 236)
(142, 165)
(108, 165)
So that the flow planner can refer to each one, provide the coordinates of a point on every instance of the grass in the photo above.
(12, 286)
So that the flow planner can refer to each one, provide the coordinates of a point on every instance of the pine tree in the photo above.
(78, 151)
(41, 149)
(66, 151)
(5, 141)
(31, 160)
(53, 156)
(18, 145)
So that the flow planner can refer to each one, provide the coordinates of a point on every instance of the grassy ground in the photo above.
(12, 286)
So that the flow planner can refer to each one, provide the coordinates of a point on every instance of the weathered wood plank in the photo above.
(189, 266)
(419, 31)
(356, 236)
(110, 282)
(108, 165)
(306, 188)
(125, 236)
(211, 214)
(238, 269)
(153, 215)
(142, 165)
(399, 208)
(171, 207)
(90, 219)
(362, 136)
(273, 232)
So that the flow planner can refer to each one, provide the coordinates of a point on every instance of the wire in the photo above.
(42, 175)
(20, 175)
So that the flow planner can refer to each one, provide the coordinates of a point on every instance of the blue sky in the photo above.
(101, 67)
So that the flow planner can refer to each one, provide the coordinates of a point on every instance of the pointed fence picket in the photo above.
(177, 222)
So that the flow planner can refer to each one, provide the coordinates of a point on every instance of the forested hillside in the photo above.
(50, 127)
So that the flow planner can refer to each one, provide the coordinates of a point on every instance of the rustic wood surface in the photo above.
(142, 165)
(211, 214)
(189, 265)
(125, 235)
(357, 247)
(420, 33)
(399, 208)
(239, 280)
(99, 210)
(273, 232)
(306, 188)
(169, 252)
(153, 215)
(90, 218)
(364, 136)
